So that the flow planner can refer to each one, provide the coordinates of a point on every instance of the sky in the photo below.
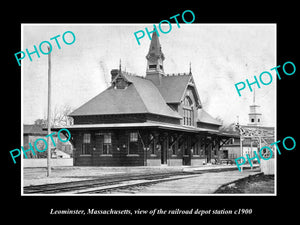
(221, 55)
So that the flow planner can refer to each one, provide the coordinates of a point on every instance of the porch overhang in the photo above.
(164, 126)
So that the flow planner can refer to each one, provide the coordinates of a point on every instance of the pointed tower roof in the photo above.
(155, 47)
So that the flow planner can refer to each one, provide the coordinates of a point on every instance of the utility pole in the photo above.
(49, 116)
(241, 139)
(241, 148)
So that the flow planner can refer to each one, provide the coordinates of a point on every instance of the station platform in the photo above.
(38, 176)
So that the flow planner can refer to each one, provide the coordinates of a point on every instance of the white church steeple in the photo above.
(254, 115)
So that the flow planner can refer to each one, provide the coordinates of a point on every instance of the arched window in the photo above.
(187, 102)
(188, 114)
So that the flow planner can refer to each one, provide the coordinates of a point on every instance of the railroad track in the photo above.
(112, 183)
(101, 183)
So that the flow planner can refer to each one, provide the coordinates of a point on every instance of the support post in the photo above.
(251, 149)
(259, 148)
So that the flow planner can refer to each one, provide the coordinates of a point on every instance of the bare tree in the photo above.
(228, 128)
(40, 122)
(59, 117)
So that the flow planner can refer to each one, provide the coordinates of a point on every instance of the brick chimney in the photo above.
(114, 73)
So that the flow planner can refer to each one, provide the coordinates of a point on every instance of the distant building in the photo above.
(32, 132)
(251, 138)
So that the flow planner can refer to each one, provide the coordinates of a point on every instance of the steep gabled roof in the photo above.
(173, 88)
(151, 96)
(141, 96)
(112, 101)
(204, 117)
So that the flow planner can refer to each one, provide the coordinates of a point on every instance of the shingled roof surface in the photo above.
(204, 117)
(151, 96)
(141, 96)
(173, 87)
(33, 129)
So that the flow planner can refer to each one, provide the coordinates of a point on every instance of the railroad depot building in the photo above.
(146, 121)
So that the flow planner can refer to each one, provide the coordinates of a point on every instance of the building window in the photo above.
(86, 145)
(133, 137)
(202, 146)
(152, 148)
(152, 66)
(225, 154)
(215, 146)
(173, 145)
(258, 120)
(187, 101)
(252, 120)
(133, 143)
(107, 147)
(197, 149)
(86, 138)
(152, 145)
(188, 115)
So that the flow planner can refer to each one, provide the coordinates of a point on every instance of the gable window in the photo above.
(187, 101)
(86, 144)
(133, 143)
(187, 117)
(188, 114)
(107, 147)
